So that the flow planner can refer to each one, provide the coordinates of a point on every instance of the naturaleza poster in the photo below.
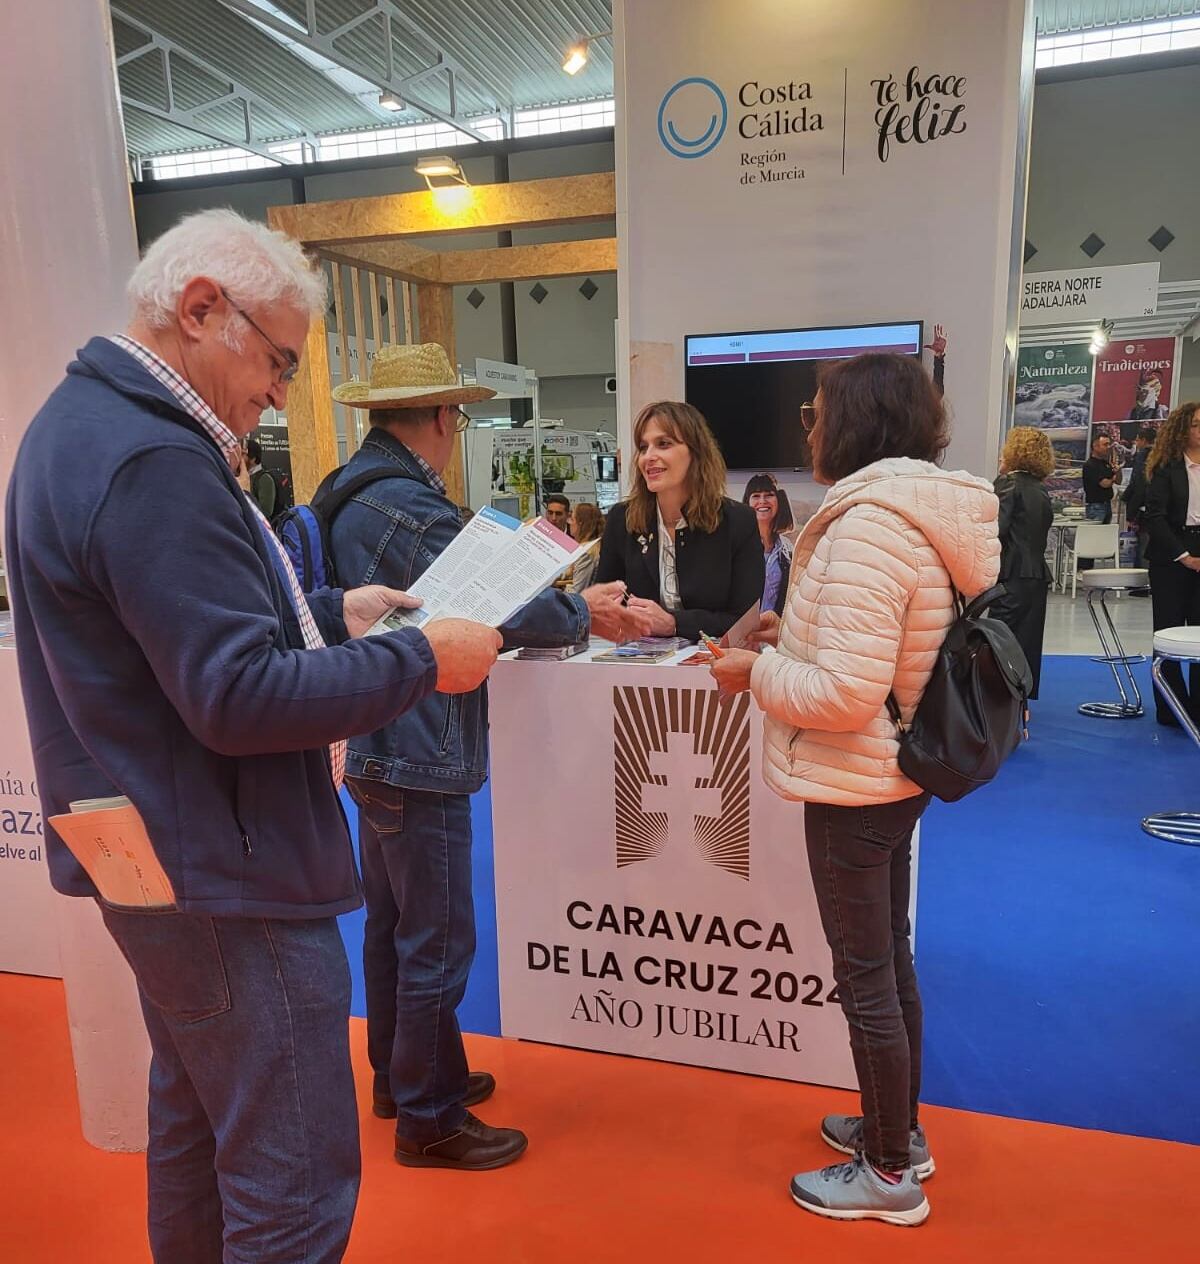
(1054, 386)
(1134, 378)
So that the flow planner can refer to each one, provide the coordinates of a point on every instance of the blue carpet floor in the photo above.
(1058, 946)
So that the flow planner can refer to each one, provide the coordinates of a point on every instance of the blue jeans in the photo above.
(418, 945)
(860, 859)
(253, 1154)
(1098, 512)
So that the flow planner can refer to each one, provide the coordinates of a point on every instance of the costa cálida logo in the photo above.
(682, 774)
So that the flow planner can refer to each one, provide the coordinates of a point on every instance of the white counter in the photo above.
(652, 896)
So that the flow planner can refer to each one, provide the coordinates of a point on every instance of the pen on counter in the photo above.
(713, 648)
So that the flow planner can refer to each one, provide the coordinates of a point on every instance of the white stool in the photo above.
(1099, 583)
(1180, 645)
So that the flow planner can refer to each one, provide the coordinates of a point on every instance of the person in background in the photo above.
(876, 572)
(262, 482)
(557, 511)
(1173, 519)
(412, 780)
(1137, 491)
(167, 654)
(773, 512)
(1100, 474)
(691, 558)
(587, 529)
(1024, 523)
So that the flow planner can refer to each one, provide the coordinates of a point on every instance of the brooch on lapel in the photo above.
(645, 541)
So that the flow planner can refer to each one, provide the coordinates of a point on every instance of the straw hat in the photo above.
(415, 375)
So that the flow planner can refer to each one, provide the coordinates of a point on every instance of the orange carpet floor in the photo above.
(628, 1161)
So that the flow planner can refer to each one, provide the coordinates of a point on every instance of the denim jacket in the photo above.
(389, 534)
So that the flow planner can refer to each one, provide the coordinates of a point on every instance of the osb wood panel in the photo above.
(435, 323)
(522, 204)
(311, 435)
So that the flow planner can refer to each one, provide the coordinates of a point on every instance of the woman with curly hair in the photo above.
(1173, 519)
(1025, 517)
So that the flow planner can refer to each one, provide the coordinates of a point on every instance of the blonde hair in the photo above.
(1028, 450)
(705, 478)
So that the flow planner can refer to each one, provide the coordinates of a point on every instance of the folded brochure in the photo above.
(108, 837)
(493, 567)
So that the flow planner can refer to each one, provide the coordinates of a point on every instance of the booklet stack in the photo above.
(556, 654)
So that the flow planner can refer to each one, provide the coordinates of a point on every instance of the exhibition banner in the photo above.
(1083, 294)
(1134, 379)
(811, 165)
(28, 933)
(652, 895)
(1054, 386)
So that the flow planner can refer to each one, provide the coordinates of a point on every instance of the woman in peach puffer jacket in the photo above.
(873, 579)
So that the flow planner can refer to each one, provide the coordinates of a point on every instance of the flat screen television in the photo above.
(750, 385)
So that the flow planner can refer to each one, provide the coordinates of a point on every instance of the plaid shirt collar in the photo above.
(185, 393)
(384, 438)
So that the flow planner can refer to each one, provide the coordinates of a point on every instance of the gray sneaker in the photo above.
(854, 1191)
(845, 1133)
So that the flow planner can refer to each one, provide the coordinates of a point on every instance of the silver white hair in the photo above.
(257, 266)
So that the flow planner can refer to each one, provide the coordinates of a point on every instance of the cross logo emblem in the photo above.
(678, 795)
(682, 775)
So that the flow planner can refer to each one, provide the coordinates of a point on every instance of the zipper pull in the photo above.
(245, 843)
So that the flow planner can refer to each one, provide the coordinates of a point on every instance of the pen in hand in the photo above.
(709, 644)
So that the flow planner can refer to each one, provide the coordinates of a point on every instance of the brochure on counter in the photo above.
(493, 567)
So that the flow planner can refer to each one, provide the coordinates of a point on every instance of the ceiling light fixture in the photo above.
(440, 167)
(390, 101)
(577, 55)
(1100, 337)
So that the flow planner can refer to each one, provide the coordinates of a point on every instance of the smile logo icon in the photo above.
(692, 118)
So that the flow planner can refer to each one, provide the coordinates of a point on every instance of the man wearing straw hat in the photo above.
(168, 656)
(412, 780)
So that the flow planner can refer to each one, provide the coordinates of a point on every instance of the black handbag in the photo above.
(973, 712)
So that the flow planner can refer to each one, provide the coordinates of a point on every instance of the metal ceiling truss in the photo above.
(196, 119)
(307, 35)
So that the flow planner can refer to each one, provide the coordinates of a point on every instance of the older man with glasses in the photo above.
(168, 655)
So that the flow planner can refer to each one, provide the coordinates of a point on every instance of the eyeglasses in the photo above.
(808, 415)
(291, 363)
(463, 422)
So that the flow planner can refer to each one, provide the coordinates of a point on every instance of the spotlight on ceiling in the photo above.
(390, 101)
(576, 58)
(577, 55)
(1100, 337)
(440, 167)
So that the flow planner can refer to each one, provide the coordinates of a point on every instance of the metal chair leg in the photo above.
(1114, 655)
(1173, 827)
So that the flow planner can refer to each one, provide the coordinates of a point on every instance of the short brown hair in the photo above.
(1029, 451)
(876, 406)
(706, 477)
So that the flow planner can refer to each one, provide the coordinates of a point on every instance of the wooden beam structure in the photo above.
(370, 234)
(460, 209)
(312, 437)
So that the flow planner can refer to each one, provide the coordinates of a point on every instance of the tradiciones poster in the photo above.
(1134, 378)
(1054, 386)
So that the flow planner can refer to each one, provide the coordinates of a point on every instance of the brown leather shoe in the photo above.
(474, 1147)
(480, 1086)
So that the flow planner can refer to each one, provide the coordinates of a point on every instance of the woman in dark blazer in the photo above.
(1172, 517)
(690, 557)
(1025, 517)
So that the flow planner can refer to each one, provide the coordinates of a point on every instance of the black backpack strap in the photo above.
(894, 711)
(982, 602)
(326, 501)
